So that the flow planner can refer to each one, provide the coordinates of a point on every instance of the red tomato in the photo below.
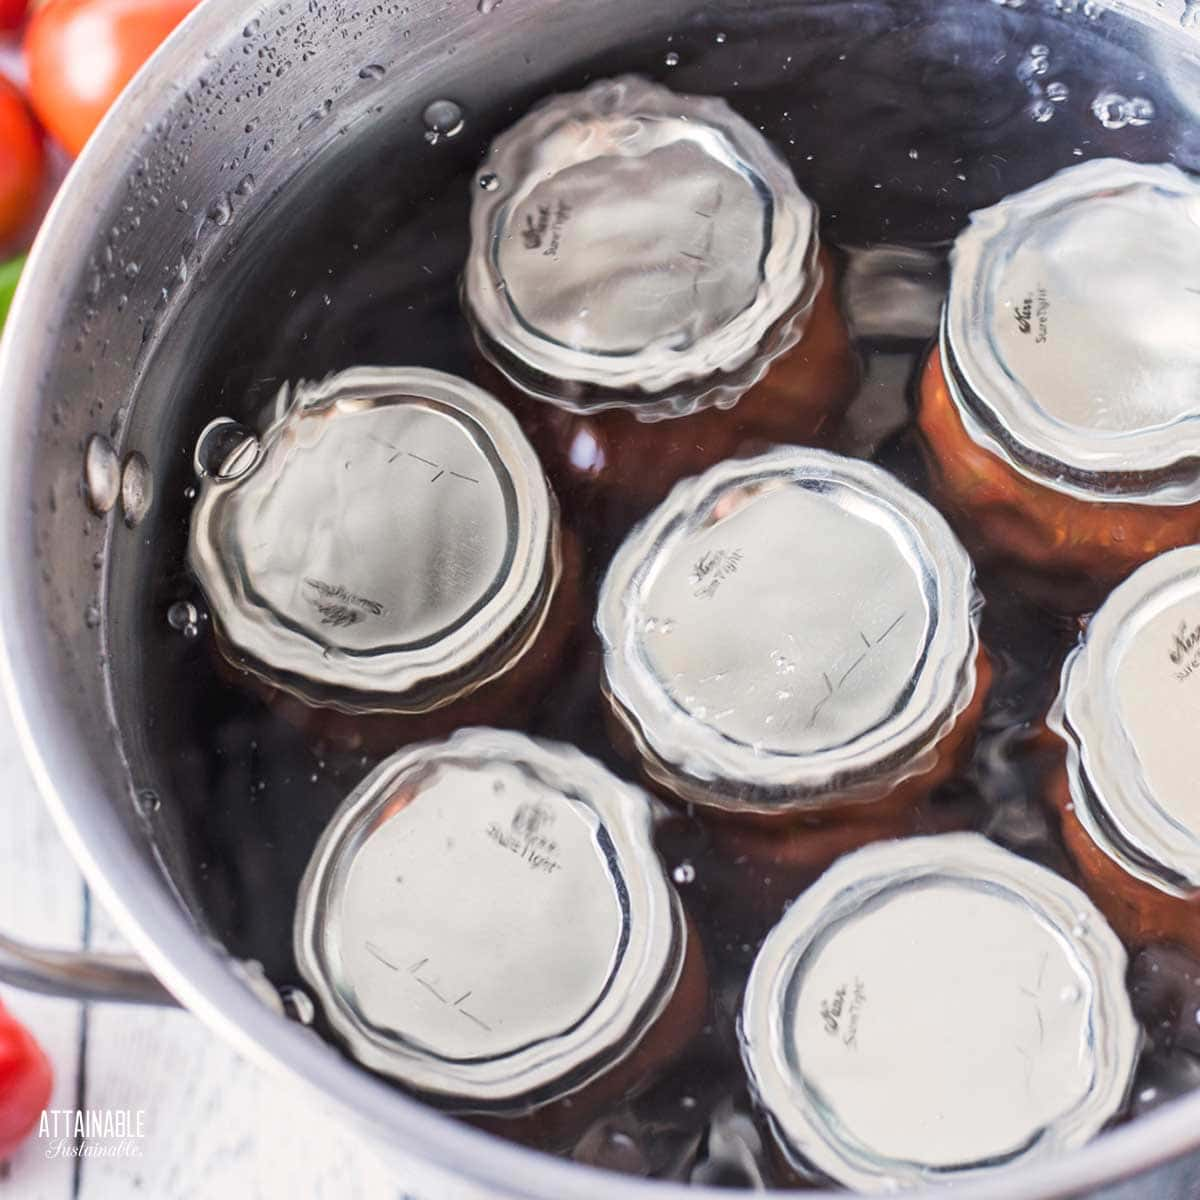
(81, 53)
(12, 13)
(21, 162)
(25, 1083)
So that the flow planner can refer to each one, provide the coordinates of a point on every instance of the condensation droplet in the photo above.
(672, 58)
(487, 6)
(137, 489)
(101, 474)
(91, 615)
(252, 28)
(298, 1005)
(183, 617)
(1041, 111)
(684, 873)
(489, 181)
(371, 71)
(220, 211)
(443, 119)
(245, 186)
(720, 39)
(1057, 92)
(225, 449)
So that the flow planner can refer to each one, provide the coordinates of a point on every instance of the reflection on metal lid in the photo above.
(634, 247)
(394, 529)
(787, 630)
(1128, 709)
(935, 1008)
(1070, 331)
(486, 920)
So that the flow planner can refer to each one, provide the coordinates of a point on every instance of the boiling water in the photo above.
(898, 128)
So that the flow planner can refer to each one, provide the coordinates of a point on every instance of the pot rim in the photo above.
(189, 965)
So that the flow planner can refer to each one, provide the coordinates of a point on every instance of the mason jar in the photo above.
(936, 1009)
(647, 279)
(386, 562)
(1059, 408)
(485, 920)
(1127, 712)
(791, 643)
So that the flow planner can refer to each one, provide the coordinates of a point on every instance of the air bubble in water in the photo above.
(298, 1005)
(489, 181)
(101, 474)
(147, 801)
(183, 617)
(225, 449)
(443, 119)
(672, 58)
(137, 489)
(684, 873)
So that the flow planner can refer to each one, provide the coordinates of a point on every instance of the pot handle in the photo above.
(79, 974)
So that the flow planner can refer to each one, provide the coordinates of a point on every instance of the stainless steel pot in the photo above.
(173, 184)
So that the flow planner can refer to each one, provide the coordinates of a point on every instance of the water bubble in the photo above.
(1041, 111)
(720, 39)
(1069, 994)
(1115, 111)
(245, 186)
(147, 801)
(489, 181)
(225, 449)
(131, 270)
(183, 618)
(251, 29)
(1057, 92)
(443, 119)
(487, 6)
(1140, 110)
(298, 1005)
(684, 873)
(101, 474)
(672, 58)
(137, 489)
(1190, 17)
(91, 615)
(372, 71)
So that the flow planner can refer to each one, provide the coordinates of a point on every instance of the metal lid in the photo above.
(935, 1008)
(485, 919)
(1069, 332)
(1128, 709)
(391, 544)
(631, 247)
(789, 631)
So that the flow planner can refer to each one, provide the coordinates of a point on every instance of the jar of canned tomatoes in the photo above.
(386, 562)
(791, 643)
(486, 921)
(646, 276)
(1059, 409)
(1127, 713)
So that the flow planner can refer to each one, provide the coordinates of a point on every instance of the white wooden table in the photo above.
(215, 1126)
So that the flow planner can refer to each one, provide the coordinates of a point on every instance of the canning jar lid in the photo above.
(1128, 709)
(789, 631)
(486, 920)
(1069, 331)
(635, 248)
(935, 1008)
(389, 544)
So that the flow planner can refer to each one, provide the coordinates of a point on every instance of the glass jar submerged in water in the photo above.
(387, 563)
(791, 641)
(1059, 410)
(646, 275)
(934, 1009)
(1125, 791)
(485, 919)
